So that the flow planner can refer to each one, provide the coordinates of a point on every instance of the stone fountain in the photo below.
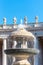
(22, 52)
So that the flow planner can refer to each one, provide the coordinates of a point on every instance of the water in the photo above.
(36, 46)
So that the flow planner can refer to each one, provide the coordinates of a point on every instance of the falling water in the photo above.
(36, 56)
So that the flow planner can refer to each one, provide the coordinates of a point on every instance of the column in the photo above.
(24, 44)
(4, 61)
(14, 46)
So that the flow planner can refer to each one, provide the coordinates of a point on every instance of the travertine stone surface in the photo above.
(22, 62)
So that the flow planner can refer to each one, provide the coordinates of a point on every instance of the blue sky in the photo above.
(19, 9)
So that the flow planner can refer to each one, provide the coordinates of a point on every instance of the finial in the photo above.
(21, 21)
(21, 26)
(36, 19)
(14, 19)
(25, 20)
(4, 19)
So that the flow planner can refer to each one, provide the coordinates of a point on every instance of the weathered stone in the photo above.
(22, 62)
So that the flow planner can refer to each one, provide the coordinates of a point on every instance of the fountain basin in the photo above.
(19, 52)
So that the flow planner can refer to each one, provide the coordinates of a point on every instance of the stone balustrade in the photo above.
(29, 25)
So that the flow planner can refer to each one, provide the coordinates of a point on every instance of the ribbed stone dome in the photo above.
(22, 33)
